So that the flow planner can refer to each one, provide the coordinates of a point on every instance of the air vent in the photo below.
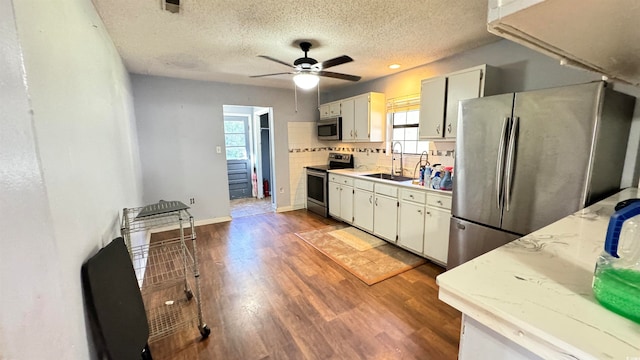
(171, 5)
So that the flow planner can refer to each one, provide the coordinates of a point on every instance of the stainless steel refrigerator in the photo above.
(527, 159)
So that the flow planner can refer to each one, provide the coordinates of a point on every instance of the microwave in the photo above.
(330, 129)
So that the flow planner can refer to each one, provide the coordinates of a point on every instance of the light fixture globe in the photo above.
(306, 81)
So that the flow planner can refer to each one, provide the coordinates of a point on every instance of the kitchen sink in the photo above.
(389, 177)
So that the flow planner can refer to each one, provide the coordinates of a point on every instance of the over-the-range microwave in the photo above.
(330, 129)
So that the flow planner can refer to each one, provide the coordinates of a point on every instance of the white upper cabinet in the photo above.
(440, 96)
(364, 118)
(432, 102)
(330, 110)
(601, 36)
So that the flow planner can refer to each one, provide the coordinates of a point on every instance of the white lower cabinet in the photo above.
(385, 216)
(363, 209)
(411, 230)
(341, 198)
(436, 234)
(414, 218)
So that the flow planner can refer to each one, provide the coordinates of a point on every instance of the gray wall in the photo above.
(68, 164)
(519, 69)
(180, 123)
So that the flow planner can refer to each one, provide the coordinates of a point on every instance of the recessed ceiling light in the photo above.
(394, 66)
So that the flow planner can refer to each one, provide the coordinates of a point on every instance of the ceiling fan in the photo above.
(307, 70)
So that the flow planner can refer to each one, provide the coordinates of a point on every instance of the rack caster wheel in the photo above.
(205, 331)
(188, 294)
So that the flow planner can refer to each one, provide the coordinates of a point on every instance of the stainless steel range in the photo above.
(317, 182)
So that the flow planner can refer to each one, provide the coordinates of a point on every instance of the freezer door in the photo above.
(468, 240)
(548, 168)
(480, 152)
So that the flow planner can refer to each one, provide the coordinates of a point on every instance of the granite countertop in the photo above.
(536, 290)
(406, 184)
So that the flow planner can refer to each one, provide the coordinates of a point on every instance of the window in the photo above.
(235, 139)
(404, 121)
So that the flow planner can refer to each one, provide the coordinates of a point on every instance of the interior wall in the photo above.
(519, 69)
(180, 123)
(80, 119)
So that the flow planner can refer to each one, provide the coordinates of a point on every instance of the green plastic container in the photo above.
(616, 281)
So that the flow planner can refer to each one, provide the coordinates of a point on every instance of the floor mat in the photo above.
(368, 258)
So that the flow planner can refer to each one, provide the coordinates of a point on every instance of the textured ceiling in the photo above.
(220, 40)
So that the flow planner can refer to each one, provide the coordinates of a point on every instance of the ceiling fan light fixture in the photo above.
(306, 81)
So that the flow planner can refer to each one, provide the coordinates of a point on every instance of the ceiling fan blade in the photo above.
(339, 76)
(336, 61)
(276, 60)
(283, 73)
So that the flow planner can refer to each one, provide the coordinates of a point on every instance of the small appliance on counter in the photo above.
(616, 281)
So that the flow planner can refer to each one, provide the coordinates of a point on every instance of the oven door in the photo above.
(317, 199)
(330, 129)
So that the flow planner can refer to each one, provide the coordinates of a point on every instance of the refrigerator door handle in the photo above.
(511, 160)
(500, 163)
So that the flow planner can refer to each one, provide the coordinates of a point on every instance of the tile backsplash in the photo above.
(305, 149)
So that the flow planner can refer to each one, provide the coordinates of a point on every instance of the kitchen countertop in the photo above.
(406, 184)
(536, 291)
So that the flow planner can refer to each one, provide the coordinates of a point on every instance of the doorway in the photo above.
(237, 147)
(249, 150)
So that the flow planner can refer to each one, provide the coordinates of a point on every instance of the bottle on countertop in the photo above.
(447, 180)
(436, 177)
(421, 176)
(616, 280)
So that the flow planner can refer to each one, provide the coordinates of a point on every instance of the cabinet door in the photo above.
(436, 234)
(346, 203)
(385, 217)
(348, 130)
(411, 230)
(432, 108)
(334, 109)
(460, 87)
(324, 111)
(363, 209)
(334, 199)
(361, 118)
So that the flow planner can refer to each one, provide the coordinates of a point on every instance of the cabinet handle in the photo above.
(370, 199)
(428, 212)
(411, 196)
(438, 130)
(351, 132)
(449, 128)
(376, 201)
(439, 202)
(356, 132)
(419, 211)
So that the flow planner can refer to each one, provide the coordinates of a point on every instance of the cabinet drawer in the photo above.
(441, 201)
(363, 184)
(340, 179)
(417, 196)
(387, 190)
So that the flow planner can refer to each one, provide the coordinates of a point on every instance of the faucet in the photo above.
(393, 158)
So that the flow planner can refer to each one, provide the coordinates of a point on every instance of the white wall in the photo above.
(69, 164)
(519, 69)
(180, 123)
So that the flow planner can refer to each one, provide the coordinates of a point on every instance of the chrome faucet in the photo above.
(393, 158)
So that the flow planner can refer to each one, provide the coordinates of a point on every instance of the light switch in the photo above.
(219, 149)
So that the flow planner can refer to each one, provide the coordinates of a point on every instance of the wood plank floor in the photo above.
(266, 294)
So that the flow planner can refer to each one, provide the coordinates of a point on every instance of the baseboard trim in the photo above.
(290, 208)
(212, 221)
(186, 224)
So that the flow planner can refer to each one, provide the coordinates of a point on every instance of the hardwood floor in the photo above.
(266, 294)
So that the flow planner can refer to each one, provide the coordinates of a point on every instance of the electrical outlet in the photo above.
(281, 190)
(192, 201)
(219, 149)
